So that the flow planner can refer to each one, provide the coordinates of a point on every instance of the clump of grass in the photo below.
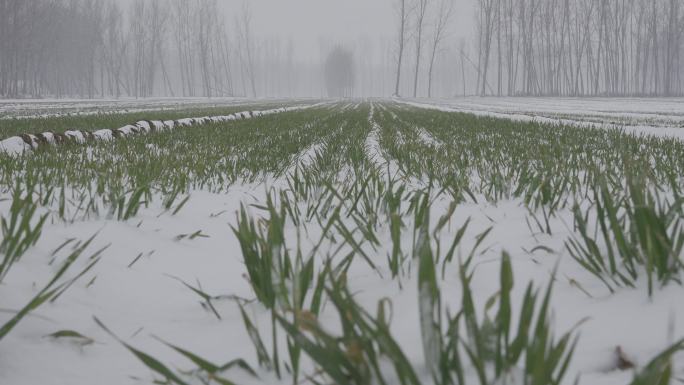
(281, 279)
(641, 233)
(393, 201)
(262, 251)
(53, 289)
(341, 195)
(127, 205)
(533, 351)
(355, 356)
(19, 230)
(497, 353)
(659, 370)
(170, 198)
(207, 371)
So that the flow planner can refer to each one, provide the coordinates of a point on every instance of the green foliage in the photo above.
(53, 289)
(640, 232)
(659, 370)
(346, 209)
(530, 353)
(20, 230)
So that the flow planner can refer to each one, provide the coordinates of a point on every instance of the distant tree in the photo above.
(421, 10)
(443, 17)
(339, 73)
(403, 21)
(244, 30)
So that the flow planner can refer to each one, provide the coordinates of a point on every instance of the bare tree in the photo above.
(582, 47)
(183, 22)
(90, 48)
(485, 27)
(421, 11)
(403, 21)
(244, 28)
(339, 73)
(444, 13)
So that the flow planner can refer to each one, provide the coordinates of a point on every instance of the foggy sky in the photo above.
(309, 22)
(339, 21)
(207, 47)
(368, 28)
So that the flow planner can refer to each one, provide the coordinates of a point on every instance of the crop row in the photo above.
(374, 188)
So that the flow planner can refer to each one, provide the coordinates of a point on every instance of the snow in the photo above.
(45, 108)
(103, 135)
(144, 125)
(14, 146)
(143, 296)
(125, 130)
(373, 149)
(662, 117)
(50, 138)
(77, 136)
(143, 300)
(307, 157)
(11, 146)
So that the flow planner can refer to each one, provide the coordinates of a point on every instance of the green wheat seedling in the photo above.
(170, 197)
(393, 205)
(659, 370)
(262, 251)
(355, 356)
(207, 298)
(127, 205)
(19, 230)
(53, 289)
(488, 342)
(641, 234)
(71, 336)
(207, 372)
(351, 213)
(531, 353)
(282, 281)
(11, 127)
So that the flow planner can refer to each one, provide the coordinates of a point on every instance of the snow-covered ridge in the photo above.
(372, 145)
(662, 117)
(16, 145)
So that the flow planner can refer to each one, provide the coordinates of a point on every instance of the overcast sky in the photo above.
(308, 22)
(345, 21)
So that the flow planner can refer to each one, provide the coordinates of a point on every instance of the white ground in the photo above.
(15, 145)
(40, 108)
(650, 116)
(144, 301)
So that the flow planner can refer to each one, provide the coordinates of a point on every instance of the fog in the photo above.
(276, 48)
(367, 28)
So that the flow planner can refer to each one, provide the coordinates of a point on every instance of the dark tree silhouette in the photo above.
(339, 73)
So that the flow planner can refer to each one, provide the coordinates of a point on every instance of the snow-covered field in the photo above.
(652, 116)
(45, 108)
(191, 226)
(16, 145)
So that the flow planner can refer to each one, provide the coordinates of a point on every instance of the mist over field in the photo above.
(268, 48)
(347, 192)
(264, 48)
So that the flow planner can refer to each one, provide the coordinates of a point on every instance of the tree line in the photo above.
(145, 48)
(101, 48)
(580, 47)
(422, 23)
(97, 48)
